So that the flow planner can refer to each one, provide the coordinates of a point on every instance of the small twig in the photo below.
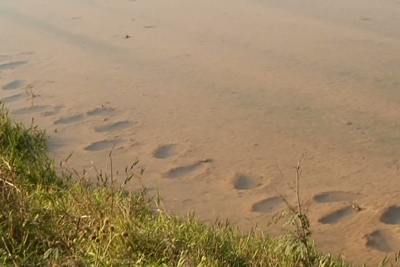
(10, 184)
(301, 215)
(283, 177)
(285, 200)
(298, 214)
(29, 91)
(5, 180)
(397, 257)
(95, 168)
(8, 164)
(9, 253)
(356, 207)
(309, 203)
(111, 163)
(112, 176)
(298, 175)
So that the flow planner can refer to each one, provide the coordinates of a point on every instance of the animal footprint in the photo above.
(245, 182)
(383, 240)
(338, 215)
(13, 85)
(114, 126)
(100, 145)
(182, 171)
(166, 151)
(336, 196)
(4, 57)
(54, 143)
(12, 65)
(23, 111)
(269, 205)
(70, 119)
(53, 112)
(12, 98)
(391, 215)
(102, 111)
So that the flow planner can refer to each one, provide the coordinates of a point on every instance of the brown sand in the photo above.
(249, 84)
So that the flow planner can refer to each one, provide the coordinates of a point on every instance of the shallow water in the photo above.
(248, 84)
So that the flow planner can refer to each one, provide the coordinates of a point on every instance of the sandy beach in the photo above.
(218, 99)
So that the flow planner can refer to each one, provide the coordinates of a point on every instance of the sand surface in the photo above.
(250, 84)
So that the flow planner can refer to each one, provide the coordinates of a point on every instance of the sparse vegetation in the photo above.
(49, 218)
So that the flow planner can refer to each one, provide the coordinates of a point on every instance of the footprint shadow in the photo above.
(382, 240)
(391, 215)
(100, 145)
(336, 196)
(4, 57)
(182, 171)
(114, 126)
(53, 112)
(102, 112)
(245, 182)
(269, 205)
(12, 65)
(35, 109)
(70, 119)
(12, 98)
(54, 143)
(13, 85)
(166, 151)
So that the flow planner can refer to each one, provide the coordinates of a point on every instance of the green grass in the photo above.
(53, 219)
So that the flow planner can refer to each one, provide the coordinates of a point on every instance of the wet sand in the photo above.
(248, 84)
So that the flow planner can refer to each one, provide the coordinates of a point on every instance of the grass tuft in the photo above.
(49, 218)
